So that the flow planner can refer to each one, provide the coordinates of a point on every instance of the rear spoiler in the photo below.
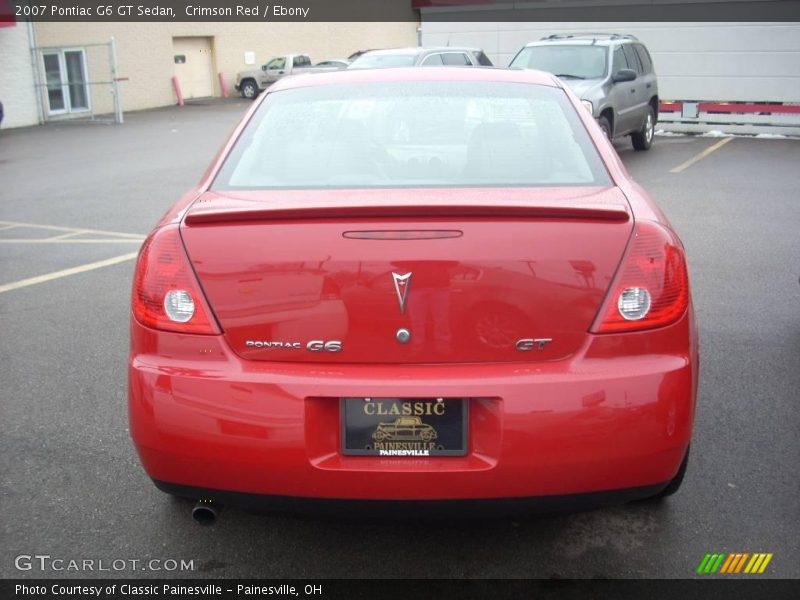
(199, 215)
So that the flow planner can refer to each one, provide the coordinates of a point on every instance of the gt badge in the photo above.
(526, 344)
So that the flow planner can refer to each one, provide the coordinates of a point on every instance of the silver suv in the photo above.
(612, 74)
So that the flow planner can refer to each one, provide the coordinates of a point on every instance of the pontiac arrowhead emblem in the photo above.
(401, 285)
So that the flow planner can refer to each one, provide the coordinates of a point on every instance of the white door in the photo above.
(193, 66)
(66, 80)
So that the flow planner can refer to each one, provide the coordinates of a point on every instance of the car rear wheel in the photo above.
(643, 139)
(249, 89)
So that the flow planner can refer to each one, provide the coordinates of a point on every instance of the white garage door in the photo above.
(194, 66)
(755, 62)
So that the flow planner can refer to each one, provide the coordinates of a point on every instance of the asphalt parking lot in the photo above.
(72, 486)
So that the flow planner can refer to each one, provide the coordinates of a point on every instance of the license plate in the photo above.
(404, 426)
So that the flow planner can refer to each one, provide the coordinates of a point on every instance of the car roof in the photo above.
(450, 49)
(480, 74)
(385, 51)
(419, 50)
(584, 39)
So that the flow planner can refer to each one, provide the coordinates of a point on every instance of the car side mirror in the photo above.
(263, 67)
(623, 75)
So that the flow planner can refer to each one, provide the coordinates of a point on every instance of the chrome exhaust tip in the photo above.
(206, 512)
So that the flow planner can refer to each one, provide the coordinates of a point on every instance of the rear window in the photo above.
(456, 59)
(433, 60)
(482, 59)
(414, 134)
(644, 57)
(633, 58)
(302, 61)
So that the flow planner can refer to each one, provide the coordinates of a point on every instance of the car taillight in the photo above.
(651, 288)
(166, 294)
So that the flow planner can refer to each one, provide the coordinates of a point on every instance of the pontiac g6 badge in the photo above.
(312, 346)
(401, 285)
(271, 344)
(320, 346)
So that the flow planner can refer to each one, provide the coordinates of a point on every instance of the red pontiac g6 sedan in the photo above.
(414, 287)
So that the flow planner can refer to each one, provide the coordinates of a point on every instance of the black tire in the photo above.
(249, 89)
(643, 139)
(674, 485)
(605, 126)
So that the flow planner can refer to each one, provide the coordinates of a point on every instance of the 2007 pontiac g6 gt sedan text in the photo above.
(460, 250)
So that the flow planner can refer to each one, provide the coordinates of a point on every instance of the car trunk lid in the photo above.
(473, 275)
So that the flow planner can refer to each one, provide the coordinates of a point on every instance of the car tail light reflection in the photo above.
(651, 288)
(166, 294)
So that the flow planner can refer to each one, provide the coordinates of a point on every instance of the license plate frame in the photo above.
(393, 433)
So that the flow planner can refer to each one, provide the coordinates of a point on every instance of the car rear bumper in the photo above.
(413, 509)
(617, 415)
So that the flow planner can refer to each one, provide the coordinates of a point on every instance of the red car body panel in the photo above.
(616, 415)
(310, 279)
(586, 413)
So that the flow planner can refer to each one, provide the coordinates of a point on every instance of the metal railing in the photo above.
(58, 86)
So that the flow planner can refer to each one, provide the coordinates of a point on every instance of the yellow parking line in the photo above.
(67, 272)
(60, 240)
(70, 229)
(701, 156)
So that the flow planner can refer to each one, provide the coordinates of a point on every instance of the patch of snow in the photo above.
(663, 133)
(772, 136)
(715, 134)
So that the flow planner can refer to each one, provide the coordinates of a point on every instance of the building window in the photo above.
(66, 80)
